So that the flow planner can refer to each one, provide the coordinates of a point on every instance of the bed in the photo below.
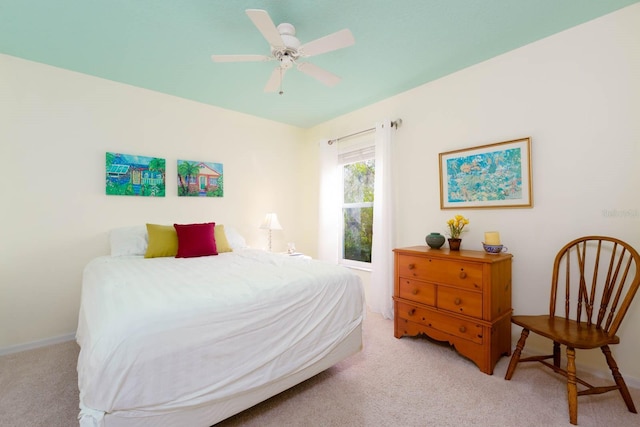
(191, 341)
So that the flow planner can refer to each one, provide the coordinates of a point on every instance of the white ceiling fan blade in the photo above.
(265, 25)
(275, 81)
(240, 58)
(321, 74)
(335, 41)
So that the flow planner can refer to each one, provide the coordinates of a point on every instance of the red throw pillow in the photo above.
(196, 240)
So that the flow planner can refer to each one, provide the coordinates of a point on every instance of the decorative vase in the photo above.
(435, 240)
(454, 244)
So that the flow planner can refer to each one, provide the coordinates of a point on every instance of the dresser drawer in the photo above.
(459, 301)
(418, 291)
(459, 273)
(451, 325)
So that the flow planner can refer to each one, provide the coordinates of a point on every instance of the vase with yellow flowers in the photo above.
(456, 226)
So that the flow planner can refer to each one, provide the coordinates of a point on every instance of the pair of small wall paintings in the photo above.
(131, 175)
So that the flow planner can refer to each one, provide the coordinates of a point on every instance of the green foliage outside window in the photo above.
(357, 210)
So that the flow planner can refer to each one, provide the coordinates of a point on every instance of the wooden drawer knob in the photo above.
(412, 312)
(463, 275)
(457, 301)
(414, 291)
(462, 329)
(412, 266)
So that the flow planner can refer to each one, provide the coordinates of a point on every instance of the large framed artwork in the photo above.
(488, 176)
(200, 179)
(133, 175)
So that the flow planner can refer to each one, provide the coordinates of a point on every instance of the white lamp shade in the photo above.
(271, 222)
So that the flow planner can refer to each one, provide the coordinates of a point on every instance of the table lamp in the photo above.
(270, 223)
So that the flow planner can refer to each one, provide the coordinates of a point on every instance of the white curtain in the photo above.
(329, 211)
(330, 220)
(383, 226)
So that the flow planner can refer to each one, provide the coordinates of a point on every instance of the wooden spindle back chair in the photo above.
(593, 284)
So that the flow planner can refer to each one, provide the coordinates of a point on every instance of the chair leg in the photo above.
(515, 357)
(572, 387)
(556, 354)
(624, 391)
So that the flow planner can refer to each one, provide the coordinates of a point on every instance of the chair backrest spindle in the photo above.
(610, 321)
(582, 289)
(608, 288)
(594, 285)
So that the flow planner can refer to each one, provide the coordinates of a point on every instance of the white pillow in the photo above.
(236, 241)
(128, 240)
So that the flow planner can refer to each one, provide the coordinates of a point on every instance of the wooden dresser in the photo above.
(461, 297)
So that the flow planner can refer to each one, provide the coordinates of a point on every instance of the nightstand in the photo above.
(296, 254)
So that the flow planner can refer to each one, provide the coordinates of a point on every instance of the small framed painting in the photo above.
(488, 176)
(200, 179)
(133, 175)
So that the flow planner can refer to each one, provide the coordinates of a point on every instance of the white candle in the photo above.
(492, 238)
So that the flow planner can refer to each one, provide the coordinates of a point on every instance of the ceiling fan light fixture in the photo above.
(286, 61)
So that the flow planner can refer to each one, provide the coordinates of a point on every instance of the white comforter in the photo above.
(164, 334)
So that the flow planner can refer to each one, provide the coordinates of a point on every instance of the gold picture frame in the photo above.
(487, 176)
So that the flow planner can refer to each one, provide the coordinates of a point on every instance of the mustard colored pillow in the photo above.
(163, 241)
(222, 243)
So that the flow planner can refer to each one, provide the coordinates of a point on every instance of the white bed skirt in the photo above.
(216, 411)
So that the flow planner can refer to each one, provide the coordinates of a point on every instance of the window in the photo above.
(358, 173)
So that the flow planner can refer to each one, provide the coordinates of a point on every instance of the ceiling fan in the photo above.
(287, 50)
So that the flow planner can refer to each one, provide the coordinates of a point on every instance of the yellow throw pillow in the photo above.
(222, 244)
(163, 241)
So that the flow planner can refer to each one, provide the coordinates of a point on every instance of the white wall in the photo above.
(577, 95)
(55, 127)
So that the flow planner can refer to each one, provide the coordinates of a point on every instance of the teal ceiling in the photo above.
(166, 45)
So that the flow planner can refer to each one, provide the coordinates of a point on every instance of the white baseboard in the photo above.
(606, 375)
(37, 344)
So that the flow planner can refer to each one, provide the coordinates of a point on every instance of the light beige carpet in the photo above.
(405, 382)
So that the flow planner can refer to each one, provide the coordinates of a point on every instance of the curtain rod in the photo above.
(394, 124)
